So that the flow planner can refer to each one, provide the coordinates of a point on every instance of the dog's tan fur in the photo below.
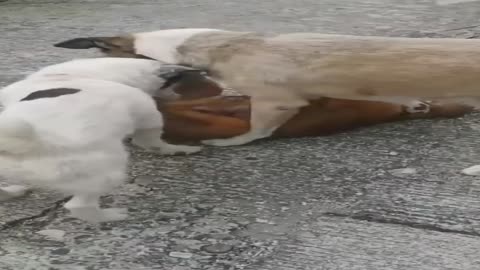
(282, 73)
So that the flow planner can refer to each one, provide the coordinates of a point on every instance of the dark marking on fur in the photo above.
(50, 93)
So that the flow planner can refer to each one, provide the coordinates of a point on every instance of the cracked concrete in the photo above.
(339, 202)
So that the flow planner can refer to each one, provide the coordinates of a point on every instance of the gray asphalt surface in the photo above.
(339, 202)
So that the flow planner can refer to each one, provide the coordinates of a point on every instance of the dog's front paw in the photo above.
(221, 142)
(12, 192)
(178, 149)
(473, 170)
(240, 140)
(417, 106)
(113, 214)
(95, 215)
(159, 146)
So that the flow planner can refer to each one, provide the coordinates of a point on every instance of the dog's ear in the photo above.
(104, 43)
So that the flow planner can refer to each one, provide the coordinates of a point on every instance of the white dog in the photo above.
(62, 129)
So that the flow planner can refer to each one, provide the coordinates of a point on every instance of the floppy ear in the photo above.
(88, 43)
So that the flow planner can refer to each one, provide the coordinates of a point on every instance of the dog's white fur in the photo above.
(73, 143)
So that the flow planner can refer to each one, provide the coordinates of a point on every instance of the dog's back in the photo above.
(107, 90)
(139, 73)
(343, 66)
(99, 112)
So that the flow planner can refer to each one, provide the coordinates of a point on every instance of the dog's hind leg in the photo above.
(87, 207)
(411, 105)
(12, 192)
(150, 139)
(149, 133)
(266, 116)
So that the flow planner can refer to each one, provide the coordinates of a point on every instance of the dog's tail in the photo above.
(16, 135)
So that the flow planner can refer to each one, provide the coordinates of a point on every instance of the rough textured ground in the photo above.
(340, 202)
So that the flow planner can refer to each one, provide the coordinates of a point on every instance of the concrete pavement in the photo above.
(387, 197)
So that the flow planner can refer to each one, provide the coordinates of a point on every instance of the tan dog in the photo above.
(283, 73)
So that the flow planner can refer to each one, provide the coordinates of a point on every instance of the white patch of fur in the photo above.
(162, 45)
(12, 192)
(473, 170)
(452, 2)
(73, 143)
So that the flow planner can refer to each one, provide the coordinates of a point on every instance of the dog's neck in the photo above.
(205, 50)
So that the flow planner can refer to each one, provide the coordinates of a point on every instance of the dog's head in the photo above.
(182, 82)
(116, 46)
(159, 45)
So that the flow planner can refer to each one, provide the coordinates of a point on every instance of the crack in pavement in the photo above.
(17, 222)
(416, 225)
